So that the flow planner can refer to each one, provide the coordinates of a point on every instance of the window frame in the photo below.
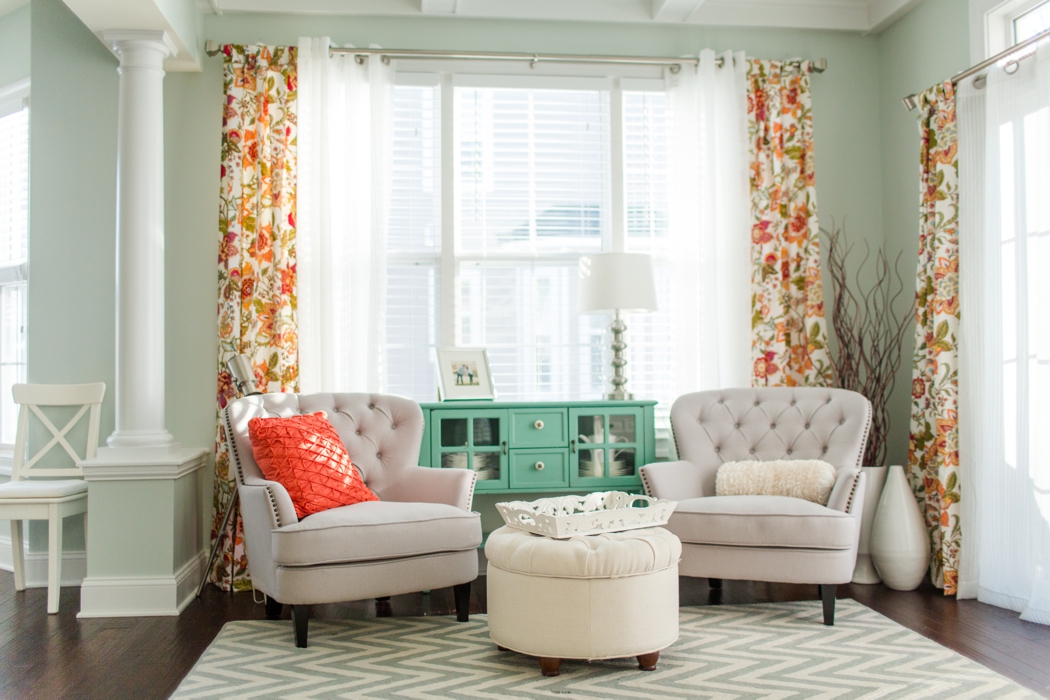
(451, 259)
(992, 25)
(14, 98)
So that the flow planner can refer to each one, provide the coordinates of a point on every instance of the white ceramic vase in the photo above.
(900, 545)
(864, 571)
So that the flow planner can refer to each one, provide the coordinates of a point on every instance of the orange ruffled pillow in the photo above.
(305, 455)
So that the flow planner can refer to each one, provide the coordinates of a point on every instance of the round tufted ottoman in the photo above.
(602, 596)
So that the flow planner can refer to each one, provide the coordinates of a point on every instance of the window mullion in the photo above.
(618, 210)
(449, 171)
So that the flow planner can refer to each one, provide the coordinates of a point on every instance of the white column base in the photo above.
(143, 531)
(140, 438)
(142, 596)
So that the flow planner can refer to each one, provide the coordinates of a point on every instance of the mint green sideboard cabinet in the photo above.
(573, 446)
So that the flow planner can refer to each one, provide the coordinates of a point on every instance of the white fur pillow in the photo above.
(809, 479)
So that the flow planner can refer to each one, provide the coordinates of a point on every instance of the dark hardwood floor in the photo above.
(59, 656)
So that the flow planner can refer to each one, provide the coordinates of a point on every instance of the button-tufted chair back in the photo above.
(381, 433)
(732, 425)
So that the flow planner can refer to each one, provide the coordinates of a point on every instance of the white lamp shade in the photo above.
(617, 282)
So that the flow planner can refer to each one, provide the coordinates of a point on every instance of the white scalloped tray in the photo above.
(604, 511)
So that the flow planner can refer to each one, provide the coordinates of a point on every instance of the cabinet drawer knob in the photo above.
(539, 466)
(538, 425)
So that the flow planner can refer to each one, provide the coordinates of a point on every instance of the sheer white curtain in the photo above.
(345, 151)
(1004, 377)
(708, 216)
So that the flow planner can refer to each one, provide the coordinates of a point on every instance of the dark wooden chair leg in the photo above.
(550, 667)
(827, 596)
(301, 623)
(715, 583)
(273, 609)
(462, 594)
(647, 662)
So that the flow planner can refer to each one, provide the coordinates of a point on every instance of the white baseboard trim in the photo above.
(142, 596)
(74, 565)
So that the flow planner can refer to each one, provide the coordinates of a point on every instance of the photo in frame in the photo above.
(464, 374)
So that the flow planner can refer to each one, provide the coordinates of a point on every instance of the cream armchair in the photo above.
(766, 538)
(420, 535)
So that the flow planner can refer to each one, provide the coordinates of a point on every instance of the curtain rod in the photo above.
(818, 65)
(674, 64)
(912, 100)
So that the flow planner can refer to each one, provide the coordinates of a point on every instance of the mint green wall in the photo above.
(926, 46)
(72, 203)
(192, 135)
(14, 46)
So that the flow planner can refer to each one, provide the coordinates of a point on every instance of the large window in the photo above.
(1008, 22)
(1032, 21)
(14, 230)
(486, 234)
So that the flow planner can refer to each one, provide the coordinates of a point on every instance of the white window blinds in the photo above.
(532, 169)
(14, 238)
(14, 187)
(645, 128)
(413, 313)
(533, 184)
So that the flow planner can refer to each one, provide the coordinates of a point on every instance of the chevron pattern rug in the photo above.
(778, 650)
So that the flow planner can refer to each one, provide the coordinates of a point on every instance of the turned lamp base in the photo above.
(619, 393)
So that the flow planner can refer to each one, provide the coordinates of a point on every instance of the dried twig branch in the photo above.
(869, 335)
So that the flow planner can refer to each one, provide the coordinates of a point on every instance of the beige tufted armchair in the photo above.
(766, 538)
(420, 535)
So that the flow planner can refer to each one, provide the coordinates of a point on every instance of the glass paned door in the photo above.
(605, 446)
(472, 439)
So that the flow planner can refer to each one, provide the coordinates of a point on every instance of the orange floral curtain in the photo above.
(933, 453)
(257, 284)
(788, 330)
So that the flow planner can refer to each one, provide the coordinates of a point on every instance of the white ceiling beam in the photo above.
(883, 13)
(848, 15)
(178, 18)
(674, 10)
(439, 7)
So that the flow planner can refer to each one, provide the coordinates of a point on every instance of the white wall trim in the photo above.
(142, 596)
(74, 565)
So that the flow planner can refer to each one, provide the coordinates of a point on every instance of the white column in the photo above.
(140, 238)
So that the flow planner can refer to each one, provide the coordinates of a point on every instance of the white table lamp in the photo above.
(617, 282)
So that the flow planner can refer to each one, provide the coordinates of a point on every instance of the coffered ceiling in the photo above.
(182, 18)
(850, 15)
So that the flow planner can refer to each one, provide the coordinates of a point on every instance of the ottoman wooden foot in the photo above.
(647, 662)
(550, 667)
(499, 648)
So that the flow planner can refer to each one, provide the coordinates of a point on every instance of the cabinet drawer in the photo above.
(539, 468)
(538, 428)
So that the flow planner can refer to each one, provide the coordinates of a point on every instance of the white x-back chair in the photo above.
(50, 494)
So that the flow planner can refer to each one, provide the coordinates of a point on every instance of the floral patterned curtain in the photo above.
(933, 453)
(789, 334)
(257, 284)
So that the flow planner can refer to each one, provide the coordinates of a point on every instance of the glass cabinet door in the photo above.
(605, 446)
(472, 439)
